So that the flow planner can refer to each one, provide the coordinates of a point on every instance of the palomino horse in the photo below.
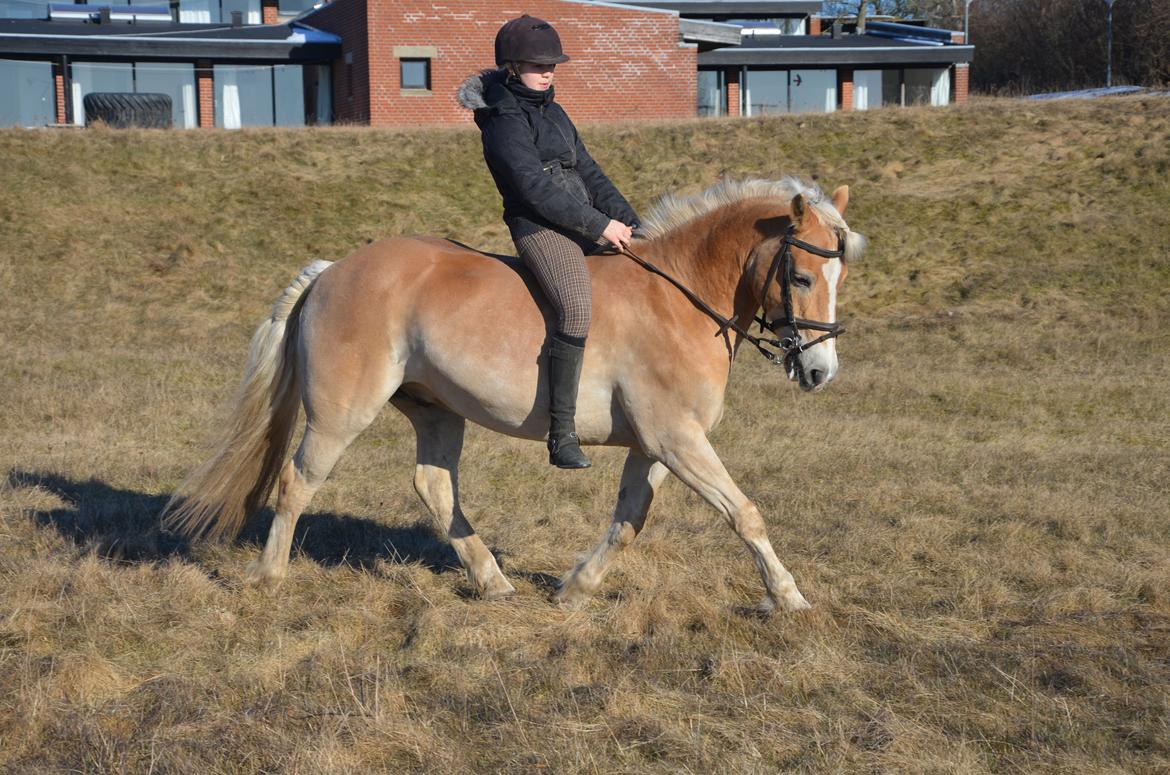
(447, 334)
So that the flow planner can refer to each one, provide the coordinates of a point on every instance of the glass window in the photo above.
(294, 7)
(217, 11)
(712, 93)
(243, 96)
(28, 95)
(250, 9)
(940, 90)
(919, 82)
(891, 87)
(98, 76)
(812, 91)
(289, 83)
(416, 73)
(24, 9)
(867, 89)
(322, 91)
(174, 79)
(766, 91)
(198, 11)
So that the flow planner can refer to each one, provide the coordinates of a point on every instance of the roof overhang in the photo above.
(699, 31)
(298, 43)
(826, 56)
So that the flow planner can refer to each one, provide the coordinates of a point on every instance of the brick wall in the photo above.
(351, 73)
(626, 63)
(961, 74)
(814, 25)
(845, 88)
(205, 91)
(269, 12)
(733, 96)
(59, 87)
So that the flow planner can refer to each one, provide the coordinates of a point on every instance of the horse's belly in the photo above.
(508, 396)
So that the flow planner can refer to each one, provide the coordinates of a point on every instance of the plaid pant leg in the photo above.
(558, 264)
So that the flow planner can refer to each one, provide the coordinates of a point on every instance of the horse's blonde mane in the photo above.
(672, 211)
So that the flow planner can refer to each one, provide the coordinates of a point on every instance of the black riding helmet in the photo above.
(529, 39)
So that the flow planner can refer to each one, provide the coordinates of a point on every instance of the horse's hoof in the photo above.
(256, 576)
(790, 604)
(497, 589)
(571, 599)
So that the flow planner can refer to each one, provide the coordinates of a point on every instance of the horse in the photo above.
(448, 334)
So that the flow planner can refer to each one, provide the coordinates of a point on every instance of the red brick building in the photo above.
(627, 63)
(383, 63)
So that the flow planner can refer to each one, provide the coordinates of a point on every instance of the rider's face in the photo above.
(534, 76)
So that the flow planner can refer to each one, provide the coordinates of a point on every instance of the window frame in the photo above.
(426, 62)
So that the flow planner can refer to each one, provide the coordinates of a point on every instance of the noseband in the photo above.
(787, 329)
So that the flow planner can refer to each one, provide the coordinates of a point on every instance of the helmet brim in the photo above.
(549, 60)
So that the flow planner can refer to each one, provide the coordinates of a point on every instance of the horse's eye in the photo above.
(802, 281)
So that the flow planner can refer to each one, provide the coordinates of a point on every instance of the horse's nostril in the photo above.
(816, 376)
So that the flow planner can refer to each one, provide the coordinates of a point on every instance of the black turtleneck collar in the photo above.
(531, 96)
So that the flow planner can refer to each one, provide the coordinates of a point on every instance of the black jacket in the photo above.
(546, 177)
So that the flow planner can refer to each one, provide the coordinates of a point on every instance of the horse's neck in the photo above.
(710, 254)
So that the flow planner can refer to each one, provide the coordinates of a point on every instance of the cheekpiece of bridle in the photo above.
(786, 329)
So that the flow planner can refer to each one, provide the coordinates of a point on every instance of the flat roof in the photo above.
(291, 41)
(788, 50)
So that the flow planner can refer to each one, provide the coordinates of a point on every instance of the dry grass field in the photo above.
(976, 508)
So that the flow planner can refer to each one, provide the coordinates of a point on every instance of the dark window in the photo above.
(416, 73)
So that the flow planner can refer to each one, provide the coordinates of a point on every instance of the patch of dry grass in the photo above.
(976, 509)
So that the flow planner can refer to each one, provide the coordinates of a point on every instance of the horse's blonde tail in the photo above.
(216, 498)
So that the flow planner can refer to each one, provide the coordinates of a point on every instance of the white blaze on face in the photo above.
(823, 357)
(832, 273)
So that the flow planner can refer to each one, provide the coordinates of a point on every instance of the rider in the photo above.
(558, 204)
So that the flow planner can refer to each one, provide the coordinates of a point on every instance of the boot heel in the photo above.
(565, 452)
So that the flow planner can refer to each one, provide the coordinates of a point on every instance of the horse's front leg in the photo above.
(640, 479)
(689, 455)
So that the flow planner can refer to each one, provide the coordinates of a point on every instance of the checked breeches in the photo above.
(558, 262)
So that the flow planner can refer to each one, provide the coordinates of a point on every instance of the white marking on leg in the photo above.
(640, 479)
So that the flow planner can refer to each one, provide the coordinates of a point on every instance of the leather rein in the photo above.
(790, 343)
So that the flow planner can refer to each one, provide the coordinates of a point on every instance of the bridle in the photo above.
(787, 328)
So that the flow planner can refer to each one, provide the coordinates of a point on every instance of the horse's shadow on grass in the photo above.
(123, 526)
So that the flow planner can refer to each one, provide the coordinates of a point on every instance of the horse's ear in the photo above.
(840, 199)
(799, 208)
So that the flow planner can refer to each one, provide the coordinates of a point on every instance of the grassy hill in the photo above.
(976, 508)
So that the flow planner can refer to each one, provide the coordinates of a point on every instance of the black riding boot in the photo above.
(564, 372)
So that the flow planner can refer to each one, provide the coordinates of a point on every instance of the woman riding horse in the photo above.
(558, 204)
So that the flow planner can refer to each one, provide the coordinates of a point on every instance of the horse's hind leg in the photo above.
(299, 481)
(640, 479)
(331, 425)
(436, 479)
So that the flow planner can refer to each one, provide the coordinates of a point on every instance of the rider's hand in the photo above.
(618, 234)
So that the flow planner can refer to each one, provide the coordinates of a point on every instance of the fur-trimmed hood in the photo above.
(472, 93)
